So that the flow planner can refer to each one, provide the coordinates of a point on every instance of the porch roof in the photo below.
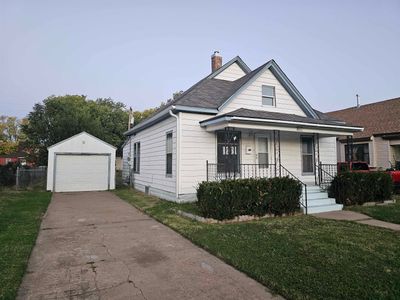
(268, 118)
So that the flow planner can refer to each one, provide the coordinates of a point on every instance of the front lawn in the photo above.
(299, 257)
(388, 213)
(20, 217)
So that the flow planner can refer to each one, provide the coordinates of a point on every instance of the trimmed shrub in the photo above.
(227, 199)
(357, 188)
(7, 174)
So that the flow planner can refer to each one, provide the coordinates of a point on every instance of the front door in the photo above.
(228, 151)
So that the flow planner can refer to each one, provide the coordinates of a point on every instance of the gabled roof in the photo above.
(255, 115)
(79, 134)
(236, 60)
(377, 118)
(210, 95)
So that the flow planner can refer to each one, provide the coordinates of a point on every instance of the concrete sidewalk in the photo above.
(94, 245)
(348, 215)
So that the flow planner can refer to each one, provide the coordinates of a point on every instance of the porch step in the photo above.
(324, 208)
(318, 201)
(316, 195)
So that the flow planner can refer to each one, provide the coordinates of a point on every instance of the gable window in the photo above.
(169, 154)
(360, 152)
(268, 95)
(136, 157)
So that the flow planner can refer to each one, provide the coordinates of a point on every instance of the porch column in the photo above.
(349, 157)
(318, 160)
(277, 151)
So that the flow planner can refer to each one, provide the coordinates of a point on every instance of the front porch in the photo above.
(263, 144)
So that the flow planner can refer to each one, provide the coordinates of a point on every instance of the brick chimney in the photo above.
(216, 61)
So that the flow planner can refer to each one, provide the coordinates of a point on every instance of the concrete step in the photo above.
(317, 195)
(313, 188)
(323, 201)
(324, 208)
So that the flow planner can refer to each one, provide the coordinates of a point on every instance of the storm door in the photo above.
(228, 151)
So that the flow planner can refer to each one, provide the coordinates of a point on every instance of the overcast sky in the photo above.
(140, 52)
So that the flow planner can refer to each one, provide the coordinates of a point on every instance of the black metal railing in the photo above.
(324, 174)
(220, 171)
(283, 172)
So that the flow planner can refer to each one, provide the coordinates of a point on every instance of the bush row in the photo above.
(230, 198)
(7, 174)
(357, 188)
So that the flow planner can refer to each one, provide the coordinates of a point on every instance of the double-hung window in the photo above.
(307, 154)
(268, 95)
(360, 152)
(169, 154)
(136, 157)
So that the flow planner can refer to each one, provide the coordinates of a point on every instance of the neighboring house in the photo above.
(234, 123)
(379, 143)
(16, 157)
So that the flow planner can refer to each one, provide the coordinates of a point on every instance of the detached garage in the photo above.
(81, 163)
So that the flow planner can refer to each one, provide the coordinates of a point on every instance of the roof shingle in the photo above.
(262, 114)
(376, 118)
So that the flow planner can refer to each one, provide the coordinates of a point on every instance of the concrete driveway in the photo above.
(93, 245)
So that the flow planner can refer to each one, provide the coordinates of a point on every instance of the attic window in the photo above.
(268, 95)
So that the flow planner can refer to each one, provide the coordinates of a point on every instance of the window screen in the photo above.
(268, 95)
(169, 154)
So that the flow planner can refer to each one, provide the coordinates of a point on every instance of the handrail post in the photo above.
(315, 175)
(207, 170)
(305, 196)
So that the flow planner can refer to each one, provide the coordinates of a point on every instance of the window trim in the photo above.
(269, 152)
(311, 137)
(171, 153)
(368, 161)
(136, 157)
(273, 97)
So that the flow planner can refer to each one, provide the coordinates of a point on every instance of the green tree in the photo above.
(10, 134)
(60, 117)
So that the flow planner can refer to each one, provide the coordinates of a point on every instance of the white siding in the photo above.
(381, 157)
(231, 73)
(251, 98)
(153, 159)
(197, 146)
(327, 150)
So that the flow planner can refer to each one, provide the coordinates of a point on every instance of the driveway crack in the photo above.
(129, 280)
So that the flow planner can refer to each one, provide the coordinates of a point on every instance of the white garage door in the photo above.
(74, 173)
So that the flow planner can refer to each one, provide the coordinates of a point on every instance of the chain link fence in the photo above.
(30, 178)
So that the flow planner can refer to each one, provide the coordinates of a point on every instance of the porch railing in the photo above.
(325, 174)
(221, 171)
(283, 172)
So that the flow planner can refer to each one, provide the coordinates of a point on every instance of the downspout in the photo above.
(178, 150)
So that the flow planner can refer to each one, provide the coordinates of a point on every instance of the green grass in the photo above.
(298, 257)
(388, 213)
(20, 217)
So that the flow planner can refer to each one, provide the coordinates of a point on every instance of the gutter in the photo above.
(178, 150)
(165, 113)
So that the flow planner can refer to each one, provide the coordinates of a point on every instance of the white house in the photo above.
(234, 123)
(81, 163)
